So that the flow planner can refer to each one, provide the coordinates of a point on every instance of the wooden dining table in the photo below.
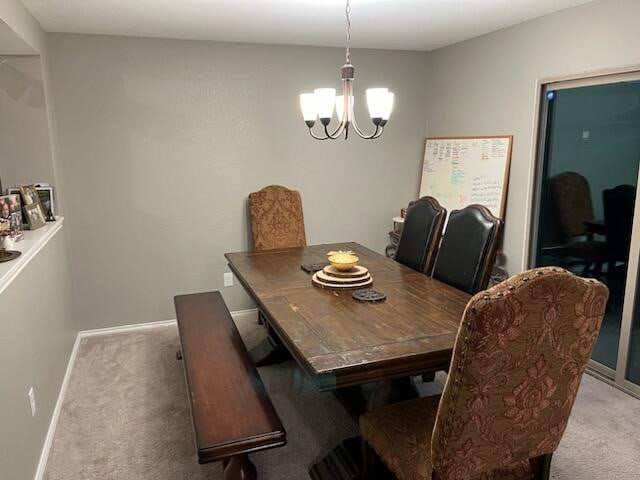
(342, 343)
(339, 341)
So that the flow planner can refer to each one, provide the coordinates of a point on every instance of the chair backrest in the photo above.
(276, 218)
(619, 204)
(468, 249)
(571, 197)
(521, 350)
(421, 234)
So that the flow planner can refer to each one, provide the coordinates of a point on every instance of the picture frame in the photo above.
(30, 196)
(47, 200)
(34, 215)
(11, 213)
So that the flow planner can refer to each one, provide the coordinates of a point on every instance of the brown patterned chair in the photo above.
(276, 218)
(521, 350)
(573, 207)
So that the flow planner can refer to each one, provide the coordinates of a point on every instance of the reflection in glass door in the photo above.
(586, 200)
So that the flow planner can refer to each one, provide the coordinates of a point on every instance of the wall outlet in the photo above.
(32, 401)
(228, 279)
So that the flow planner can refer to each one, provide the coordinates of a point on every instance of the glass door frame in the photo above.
(618, 376)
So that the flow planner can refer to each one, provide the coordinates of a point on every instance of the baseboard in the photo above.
(125, 328)
(44, 455)
(46, 447)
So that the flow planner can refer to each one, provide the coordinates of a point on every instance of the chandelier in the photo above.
(320, 103)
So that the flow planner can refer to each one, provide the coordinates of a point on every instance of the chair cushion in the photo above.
(401, 436)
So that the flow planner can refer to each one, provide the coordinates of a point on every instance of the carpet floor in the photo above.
(125, 416)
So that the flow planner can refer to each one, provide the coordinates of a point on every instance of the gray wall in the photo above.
(38, 327)
(161, 141)
(25, 153)
(37, 335)
(488, 86)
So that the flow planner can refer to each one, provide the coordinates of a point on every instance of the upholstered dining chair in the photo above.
(276, 218)
(468, 249)
(519, 356)
(573, 207)
(421, 234)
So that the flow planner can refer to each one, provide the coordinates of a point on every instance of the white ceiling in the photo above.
(389, 24)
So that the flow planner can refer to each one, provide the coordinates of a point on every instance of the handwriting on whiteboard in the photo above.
(462, 171)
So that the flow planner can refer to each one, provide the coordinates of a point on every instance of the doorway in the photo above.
(586, 218)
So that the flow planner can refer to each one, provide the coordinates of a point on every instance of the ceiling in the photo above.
(388, 24)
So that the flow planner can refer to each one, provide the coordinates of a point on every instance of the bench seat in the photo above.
(231, 412)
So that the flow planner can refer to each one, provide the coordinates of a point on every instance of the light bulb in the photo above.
(308, 107)
(325, 98)
(377, 101)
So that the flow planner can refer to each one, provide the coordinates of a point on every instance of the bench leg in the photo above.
(240, 468)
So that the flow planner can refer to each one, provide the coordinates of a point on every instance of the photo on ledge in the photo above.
(11, 213)
(35, 217)
(30, 197)
(47, 200)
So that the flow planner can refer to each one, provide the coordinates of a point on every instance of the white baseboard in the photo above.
(46, 448)
(238, 314)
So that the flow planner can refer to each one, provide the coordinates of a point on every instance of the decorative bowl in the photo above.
(343, 260)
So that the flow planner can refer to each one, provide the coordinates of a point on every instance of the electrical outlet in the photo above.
(32, 401)
(228, 279)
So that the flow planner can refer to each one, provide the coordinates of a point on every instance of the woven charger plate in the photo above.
(341, 280)
(316, 281)
(6, 255)
(355, 272)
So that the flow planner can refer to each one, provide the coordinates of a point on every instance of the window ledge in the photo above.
(30, 245)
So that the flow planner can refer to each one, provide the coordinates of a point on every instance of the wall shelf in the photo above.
(32, 243)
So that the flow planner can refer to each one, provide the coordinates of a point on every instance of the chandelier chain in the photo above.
(347, 11)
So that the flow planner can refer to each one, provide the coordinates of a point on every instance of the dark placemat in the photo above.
(368, 295)
(313, 267)
(7, 255)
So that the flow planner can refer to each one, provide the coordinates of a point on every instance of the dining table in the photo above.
(342, 343)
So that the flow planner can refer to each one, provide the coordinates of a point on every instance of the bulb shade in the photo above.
(308, 107)
(325, 99)
(388, 107)
(340, 106)
(377, 101)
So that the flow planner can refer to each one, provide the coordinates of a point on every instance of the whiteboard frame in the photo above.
(507, 165)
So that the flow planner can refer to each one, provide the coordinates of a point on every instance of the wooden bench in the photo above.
(231, 412)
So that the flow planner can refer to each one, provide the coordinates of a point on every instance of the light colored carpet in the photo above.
(125, 416)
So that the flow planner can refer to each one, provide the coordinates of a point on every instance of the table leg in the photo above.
(240, 468)
(344, 462)
(392, 391)
(270, 351)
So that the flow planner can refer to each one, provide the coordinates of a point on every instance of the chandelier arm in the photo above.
(377, 132)
(337, 132)
(315, 136)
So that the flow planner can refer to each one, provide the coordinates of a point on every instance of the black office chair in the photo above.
(619, 204)
(468, 249)
(421, 234)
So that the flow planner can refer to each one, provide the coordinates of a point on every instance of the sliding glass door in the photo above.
(585, 216)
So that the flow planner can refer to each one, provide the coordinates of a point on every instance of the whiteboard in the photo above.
(461, 171)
